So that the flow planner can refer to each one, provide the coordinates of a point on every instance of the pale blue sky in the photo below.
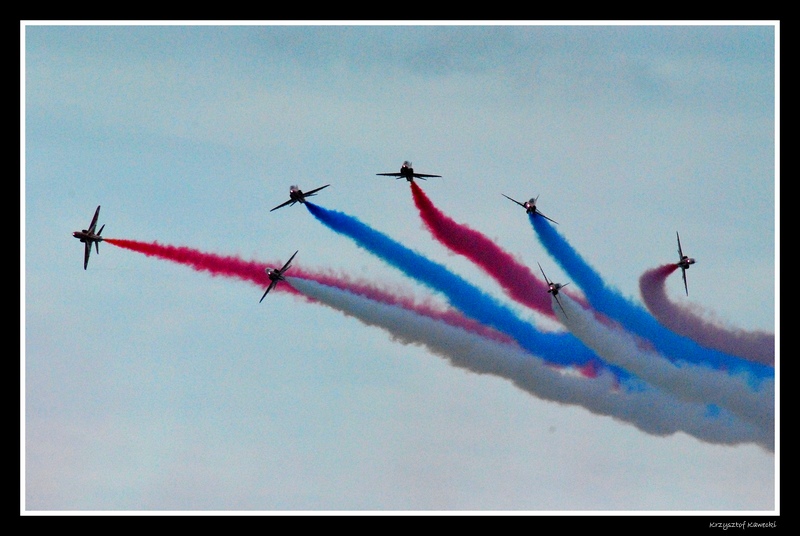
(149, 386)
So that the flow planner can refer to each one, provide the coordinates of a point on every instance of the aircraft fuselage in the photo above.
(296, 194)
(86, 236)
(407, 172)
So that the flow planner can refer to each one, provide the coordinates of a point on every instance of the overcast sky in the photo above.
(150, 386)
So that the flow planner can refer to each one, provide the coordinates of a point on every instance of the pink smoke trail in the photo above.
(254, 272)
(517, 280)
(756, 346)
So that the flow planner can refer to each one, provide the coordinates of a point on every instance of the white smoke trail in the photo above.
(650, 410)
(686, 381)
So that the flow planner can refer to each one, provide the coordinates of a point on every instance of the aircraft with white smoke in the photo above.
(276, 275)
(553, 289)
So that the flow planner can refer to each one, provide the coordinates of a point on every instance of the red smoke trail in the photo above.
(517, 280)
(251, 271)
(254, 272)
(756, 346)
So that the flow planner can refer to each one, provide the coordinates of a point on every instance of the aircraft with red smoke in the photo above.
(407, 173)
(684, 263)
(89, 237)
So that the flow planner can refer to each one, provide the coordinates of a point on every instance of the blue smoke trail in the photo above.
(558, 348)
(633, 317)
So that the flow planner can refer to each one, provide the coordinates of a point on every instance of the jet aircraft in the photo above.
(88, 237)
(407, 173)
(297, 195)
(530, 207)
(554, 288)
(276, 275)
(684, 263)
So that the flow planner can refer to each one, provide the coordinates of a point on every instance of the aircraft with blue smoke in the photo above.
(296, 195)
(530, 207)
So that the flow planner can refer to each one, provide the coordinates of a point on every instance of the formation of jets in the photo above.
(553, 289)
(530, 206)
(683, 263)
(296, 195)
(407, 173)
(275, 275)
(89, 237)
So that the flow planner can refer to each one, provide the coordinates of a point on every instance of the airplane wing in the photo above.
(545, 217)
(680, 251)
(517, 202)
(540, 267)
(270, 287)
(286, 266)
(315, 190)
(86, 252)
(685, 284)
(289, 202)
(561, 306)
(423, 175)
(94, 220)
(396, 175)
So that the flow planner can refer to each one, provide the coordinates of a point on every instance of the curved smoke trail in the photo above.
(758, 346)
(470, 345)
(650, 410)
(558, 348)
(687, 382)
(516, 279)
(634, 317)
